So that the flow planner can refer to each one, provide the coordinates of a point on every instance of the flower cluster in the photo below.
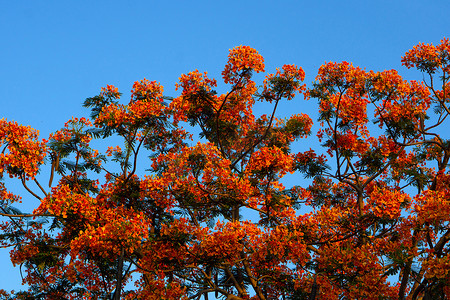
(429, 58)
(22, 152)
(110, 91)
(284, 83)
(146, 103)
(197, 96)
(241, 61)
(146, 90)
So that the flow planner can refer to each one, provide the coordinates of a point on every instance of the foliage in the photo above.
(371, 221)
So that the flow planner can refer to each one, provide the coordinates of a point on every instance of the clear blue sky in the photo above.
(54, 54)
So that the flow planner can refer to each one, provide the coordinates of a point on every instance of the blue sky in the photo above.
(54, 54)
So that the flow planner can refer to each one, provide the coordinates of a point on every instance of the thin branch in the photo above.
(261, 138)
(118, 290)
(235, 88)
(28, 189)
(237, 285)
(42, 189)
(25, 215)
(253, 282)
(135, 157)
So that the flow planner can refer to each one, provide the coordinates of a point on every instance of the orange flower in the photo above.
(241, 60)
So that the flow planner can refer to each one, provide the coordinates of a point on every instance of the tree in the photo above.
(378, 225)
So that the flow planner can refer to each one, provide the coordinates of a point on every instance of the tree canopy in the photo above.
(161, 214)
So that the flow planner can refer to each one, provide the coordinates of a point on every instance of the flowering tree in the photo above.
(378, 220)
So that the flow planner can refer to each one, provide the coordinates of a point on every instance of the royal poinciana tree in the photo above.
(371, 221)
